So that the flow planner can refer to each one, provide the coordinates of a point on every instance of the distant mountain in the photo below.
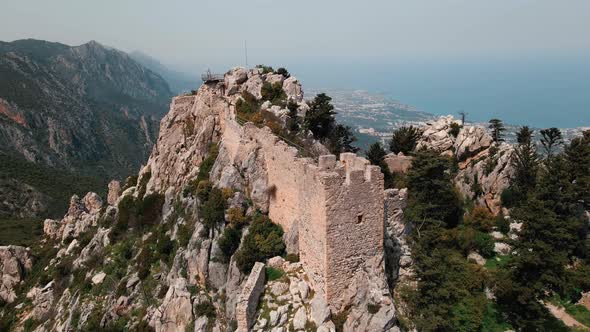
(87, 110)
(179, 82)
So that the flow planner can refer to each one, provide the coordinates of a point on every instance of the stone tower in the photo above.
(342, 221)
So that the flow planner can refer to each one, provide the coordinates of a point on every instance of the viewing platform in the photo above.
(209, 77)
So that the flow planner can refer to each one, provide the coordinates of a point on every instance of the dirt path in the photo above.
(559, 313)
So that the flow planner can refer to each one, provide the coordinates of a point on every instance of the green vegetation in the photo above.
(550, 204)
(404, 140)
(320, 120)
(58, 184)
(264, 240)
(450, 293)
(273, 274)
(455, 129)
(138, 214)
(273, 93)
(376, 155)
(498, 129)
(20, 232)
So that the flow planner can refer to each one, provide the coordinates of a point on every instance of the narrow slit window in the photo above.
(359, 219)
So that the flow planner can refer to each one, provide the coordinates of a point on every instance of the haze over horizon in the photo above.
(506, 59)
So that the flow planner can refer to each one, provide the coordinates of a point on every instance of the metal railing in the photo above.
(210, 77)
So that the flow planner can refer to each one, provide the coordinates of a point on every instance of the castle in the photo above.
(334, 206)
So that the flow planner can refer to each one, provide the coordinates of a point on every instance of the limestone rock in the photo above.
(14, 263)
(52, 228)
(92, 202)
(175, 312)
(477, 258)
(293, 89)
(99, 278)
(320, 311)
(114, 192)
(300, 319)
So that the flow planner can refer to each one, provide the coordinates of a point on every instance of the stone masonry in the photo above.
(336, 205)
(248, 300)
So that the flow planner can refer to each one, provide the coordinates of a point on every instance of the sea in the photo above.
(537, 91)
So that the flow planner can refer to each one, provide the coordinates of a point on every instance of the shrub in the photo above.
(207, 164)
(203, 189)
(510, 197)
(205, 309)
(502, 224)
(273, 93)
(127, 212)
(230, 241)
(247, 105)
(150, 209)
(144, 263)
(484, 243)
(265, 69)
(264, 240)
(235, 216)
(284, 72)
(455, 129)
(481, 219)
(213, 210)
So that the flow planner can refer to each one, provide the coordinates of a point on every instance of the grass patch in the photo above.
(579, 312)
(274, 274)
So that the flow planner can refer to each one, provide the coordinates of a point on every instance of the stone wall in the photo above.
(248, 300)
(337, 205)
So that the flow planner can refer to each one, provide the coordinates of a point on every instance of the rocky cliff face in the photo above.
(144, 258)
(484, 167)
(87, 109)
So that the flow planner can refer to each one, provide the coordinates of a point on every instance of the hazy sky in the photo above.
(212, 32)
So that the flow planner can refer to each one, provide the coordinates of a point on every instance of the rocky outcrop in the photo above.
(15, 262)
(114, 192)
(484, 166)
(398, 259)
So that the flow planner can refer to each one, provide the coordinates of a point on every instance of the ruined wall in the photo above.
(354, 206)
(248, 301)
(336, 205)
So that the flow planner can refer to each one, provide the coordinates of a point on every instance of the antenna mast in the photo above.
(246, 51)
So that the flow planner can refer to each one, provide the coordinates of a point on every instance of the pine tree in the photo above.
(497, 127)
(320, 117)
(525, 161)
(376, 153)
(404, 140)
(550, 138)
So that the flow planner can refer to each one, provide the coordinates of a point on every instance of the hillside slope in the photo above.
(85, 110)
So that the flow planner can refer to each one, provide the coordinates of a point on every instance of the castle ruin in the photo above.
(335, 206)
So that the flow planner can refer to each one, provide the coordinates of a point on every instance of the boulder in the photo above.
(320, 311)
(300, 319)
(99, 278)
